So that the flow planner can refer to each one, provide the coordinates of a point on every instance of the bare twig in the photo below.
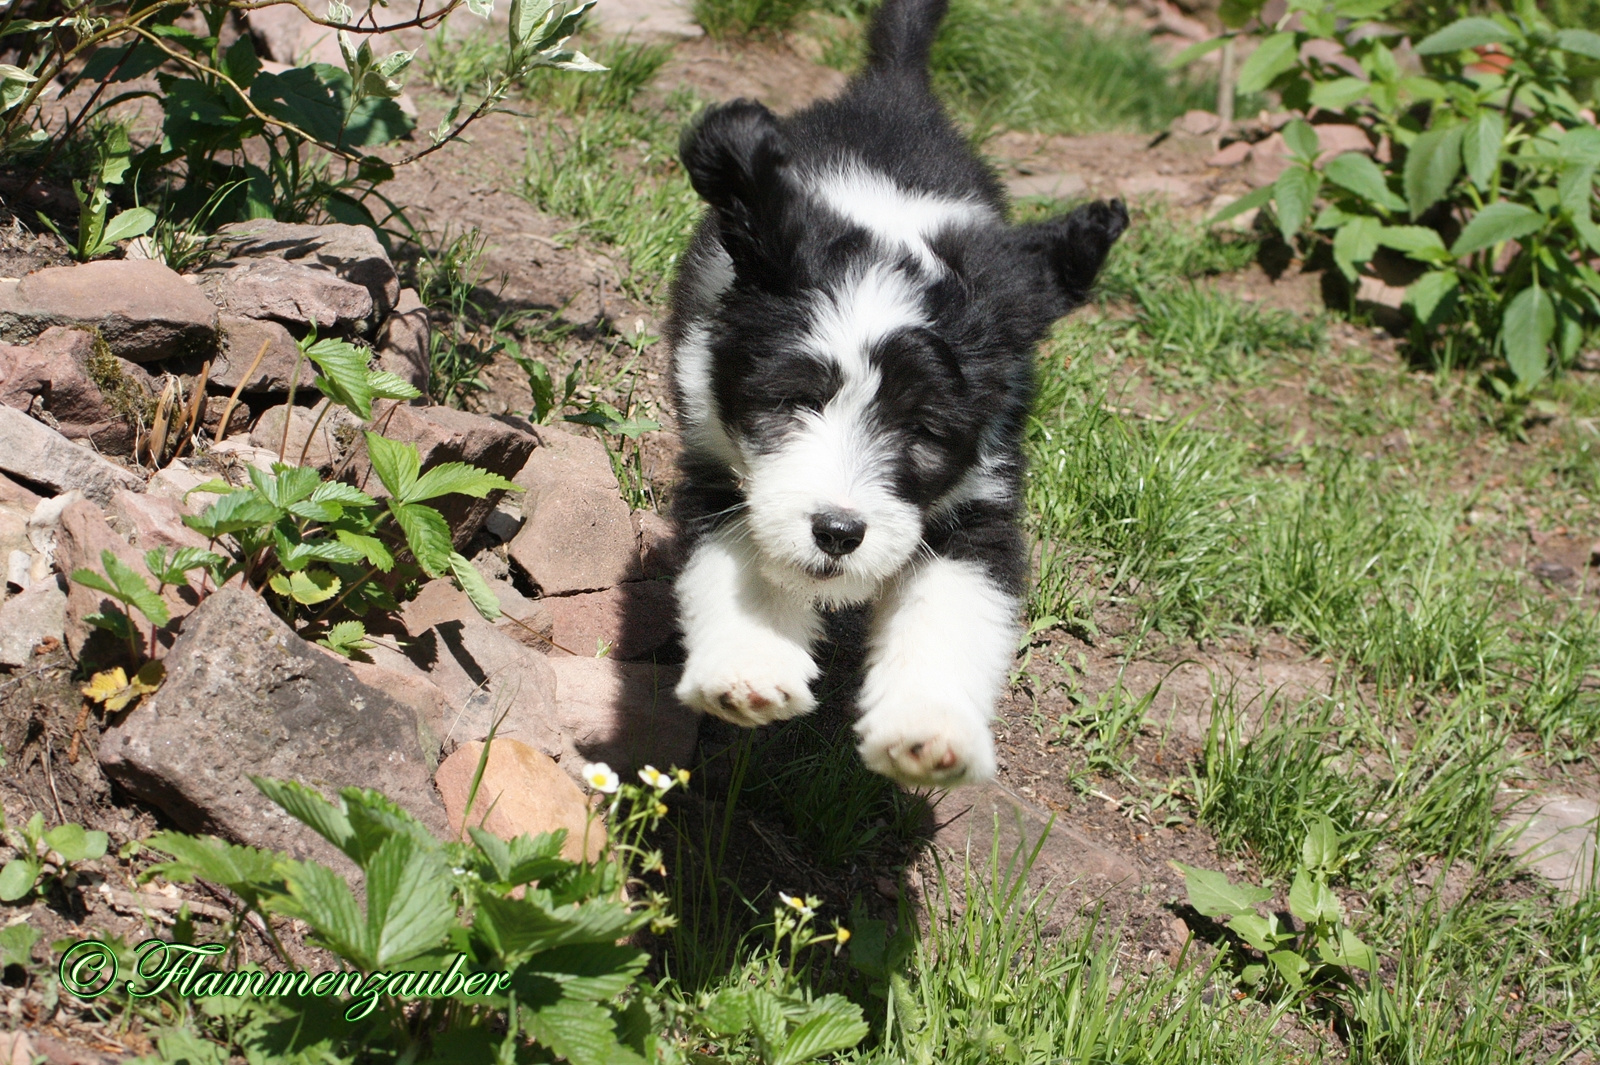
(227, 412)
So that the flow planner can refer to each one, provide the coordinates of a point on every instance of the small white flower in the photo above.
(599, 776)
(655, 778)
(798, 905)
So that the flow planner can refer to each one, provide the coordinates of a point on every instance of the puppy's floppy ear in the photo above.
(1069, 250)
(737, 161)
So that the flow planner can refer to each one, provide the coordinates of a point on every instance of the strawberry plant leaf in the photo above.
(346, 638)
(427, 534)
(396, 464)
(134, 590)
(469, 580)
(310, 808)
(345, 378)
(458, 478)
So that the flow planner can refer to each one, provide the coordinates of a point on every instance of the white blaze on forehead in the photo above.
(868, 307)
(895, 215)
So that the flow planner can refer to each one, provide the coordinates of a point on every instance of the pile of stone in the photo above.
(577, 670)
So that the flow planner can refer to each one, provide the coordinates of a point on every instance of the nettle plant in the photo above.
(321, 551)
(239, 141)
(1481, 175)
(1322, 954)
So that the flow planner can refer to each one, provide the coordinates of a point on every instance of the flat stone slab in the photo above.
(143, 310)
(245, 696)
(1557, 839)
(32, 451)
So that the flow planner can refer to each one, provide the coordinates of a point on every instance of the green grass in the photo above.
(722, 19)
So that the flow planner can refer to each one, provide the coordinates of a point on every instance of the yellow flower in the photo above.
(798, 905)
(842, 935)
(683, 777)
(655, 778)
(599, 776)
(661, 809)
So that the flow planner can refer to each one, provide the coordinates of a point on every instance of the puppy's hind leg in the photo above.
(942, 644)
(749, 640)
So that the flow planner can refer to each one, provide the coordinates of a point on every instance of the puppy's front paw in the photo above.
(928, 742)
(749, 684)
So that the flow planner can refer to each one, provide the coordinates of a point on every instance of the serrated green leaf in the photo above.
(346, 495)
(767, 1020)
(307, 587)
(346, 638)
(581, 1032)
(408, 901)
(1212, 894)
(1293, 193)
(372, 550)
(246, 871)
(1525, 331)
(1494, 224)
(597, 972)
(386, 385)
(1432, 164)
(1272, 57)
(1359, 174)
(115, 622)
(316, 510)
(235, 512)
(427, 534)
(1463, 34)
(469, 580)
(455, 478)
(134, 590)
(322, 899)
(1481, 146)
(312, 809)
(395, 463)
(345, 378)
(838, 1027)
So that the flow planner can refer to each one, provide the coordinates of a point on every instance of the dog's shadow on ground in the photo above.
(788, 807)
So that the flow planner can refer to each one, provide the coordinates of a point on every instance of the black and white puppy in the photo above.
(852, 329)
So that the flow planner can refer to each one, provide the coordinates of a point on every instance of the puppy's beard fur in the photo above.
(829, 461)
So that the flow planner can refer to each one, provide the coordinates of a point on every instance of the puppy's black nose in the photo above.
(837, 532)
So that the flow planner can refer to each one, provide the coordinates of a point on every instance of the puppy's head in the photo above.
(856, 353)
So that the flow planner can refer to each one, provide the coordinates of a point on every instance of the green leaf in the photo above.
(1355, 243)
(1260, 932)
(322, 899)
(766, 1018)
(1235, 13)
(1294, 192)
(838, 1027)
(234, 512)
(455, 477)
(1212, 894)
(1419, 242)
(1431, 166)
(372, 549)
(1290, 966)
(243, 870)
(1349, 952)
(1302, 139)
(1525, 331)
(16, 945)
(134, 222)
(183, 560)
(1498, 222)
(346, 495)
(386, 385)
(307, 587)
(346, 638)
(395, 463)
(74, 844)
(1320, 849)
(128, 587)
(597, 972)
(1259, 198)
(469, 580)
(345, 378)
(310, 808)
(18, 878)
(408, 901)
(1312, 901)
(581, 1032)
(1195, 51)
(1463, 34)
(316, 99)
(1427, 294)
(1481, 144)
(1579, 42)
(1338, 94)
(427, 534)
(1357, 173)
(1272, 57)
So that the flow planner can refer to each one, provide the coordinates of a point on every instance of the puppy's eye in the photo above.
(926, 433)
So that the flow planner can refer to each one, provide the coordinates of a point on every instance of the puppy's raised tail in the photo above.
(902, 36)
